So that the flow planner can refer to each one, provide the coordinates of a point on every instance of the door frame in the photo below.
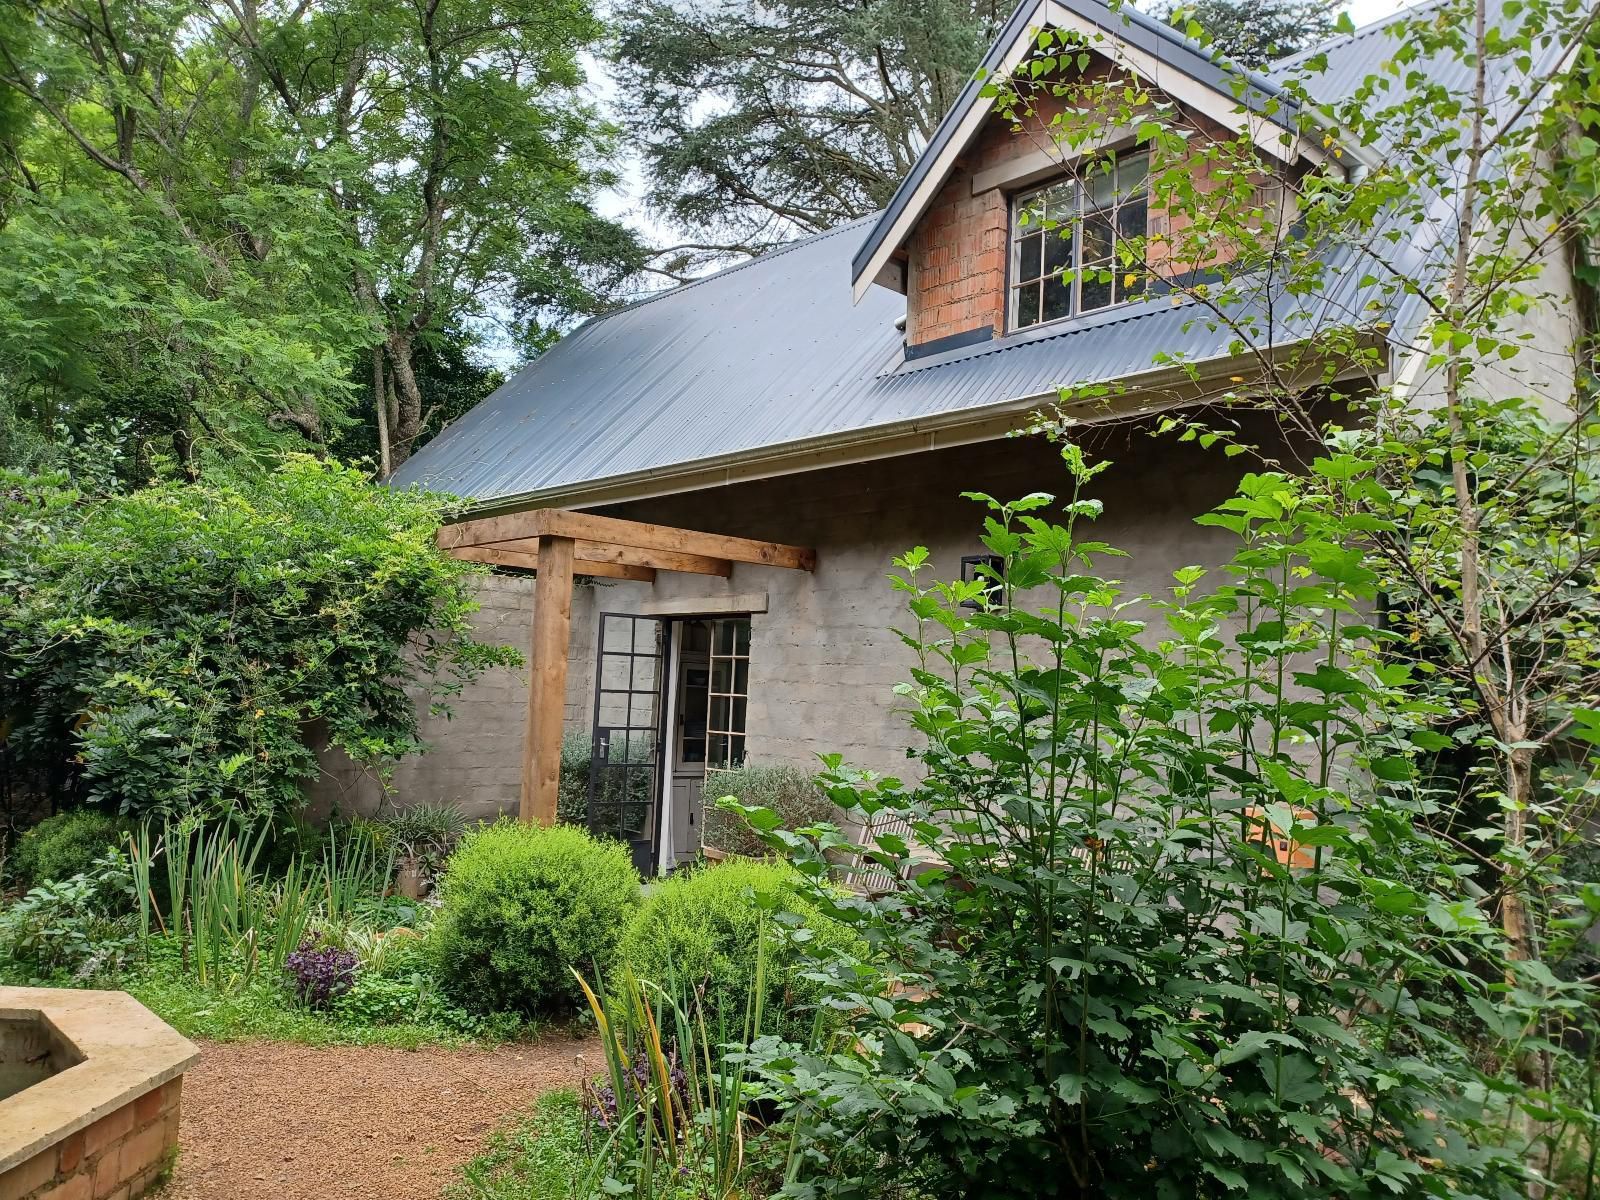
(664, 655)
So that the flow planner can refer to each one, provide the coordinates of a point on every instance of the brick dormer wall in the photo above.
(956, 255)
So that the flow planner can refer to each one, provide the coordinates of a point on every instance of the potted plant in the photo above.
(423, 835)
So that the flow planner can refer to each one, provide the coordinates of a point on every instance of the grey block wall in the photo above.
(475, 755)
(824, 658)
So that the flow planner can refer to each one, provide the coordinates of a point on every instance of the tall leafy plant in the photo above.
(1422, 298)
(1171, 918)
(674, 1109)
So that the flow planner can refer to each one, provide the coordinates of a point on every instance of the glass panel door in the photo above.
(728, 696)
(624, 769)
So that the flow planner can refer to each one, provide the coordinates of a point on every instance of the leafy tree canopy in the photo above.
(1254, 34)
(213, 216)
(177, 647)
(758, 120)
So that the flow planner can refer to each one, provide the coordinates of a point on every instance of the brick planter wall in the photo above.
(117, 1158)
(103, 1125)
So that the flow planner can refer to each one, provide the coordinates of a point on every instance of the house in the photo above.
(727, 469)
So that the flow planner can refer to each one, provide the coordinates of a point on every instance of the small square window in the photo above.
(988, 567)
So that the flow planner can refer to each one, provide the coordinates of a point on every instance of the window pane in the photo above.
(1132, 220)
(724, 637)
(1097, 238)
(741, 637)
(1027, 306)
(1028, 251)
(719, 713)
(1131, 172)
(1058, 251)
(1030, 212)
(741, 675)
(722, 675)
(1094, 289)
(1101, 185)
(1062, 202)
(737, 724)
(1057, 298)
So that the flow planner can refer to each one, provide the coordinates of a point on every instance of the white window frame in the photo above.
(1033, 214)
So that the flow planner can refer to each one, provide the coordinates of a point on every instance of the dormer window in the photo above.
(1067, 239)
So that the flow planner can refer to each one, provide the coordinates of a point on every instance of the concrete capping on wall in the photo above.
(705, 606)
(106, 1126)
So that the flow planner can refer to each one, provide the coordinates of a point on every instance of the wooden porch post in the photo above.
(547, 680)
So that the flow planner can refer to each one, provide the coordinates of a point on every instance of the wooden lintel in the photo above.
(547, 681)
(498, 557)
(636, 535)
(633, 556)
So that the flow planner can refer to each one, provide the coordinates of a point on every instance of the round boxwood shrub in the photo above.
(520, 906)
(700, 929)
(64, 845)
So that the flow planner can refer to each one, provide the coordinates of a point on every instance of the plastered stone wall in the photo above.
(824, 659)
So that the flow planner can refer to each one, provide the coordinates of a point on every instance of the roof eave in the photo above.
(1144, 393)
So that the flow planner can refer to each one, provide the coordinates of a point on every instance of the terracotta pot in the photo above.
(409, 878)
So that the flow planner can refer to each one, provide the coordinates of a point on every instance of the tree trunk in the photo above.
(380, 407)
(1519, 796)
(408, 417)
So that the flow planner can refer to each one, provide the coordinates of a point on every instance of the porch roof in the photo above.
(558, 545)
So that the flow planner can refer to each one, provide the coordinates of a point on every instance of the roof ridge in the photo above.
(765, 256)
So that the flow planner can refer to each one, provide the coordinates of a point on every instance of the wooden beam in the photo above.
(554, 522)
(632, 556)
(529, 561)
(547, 681)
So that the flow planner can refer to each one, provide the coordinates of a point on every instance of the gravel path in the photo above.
(290, 1122)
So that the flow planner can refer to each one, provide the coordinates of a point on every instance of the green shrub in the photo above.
(786, 790)
(79, 926)
(701, 929)
(375, 1000)
(176, 646)
(572, 788)
(64, 845)
(521, 906)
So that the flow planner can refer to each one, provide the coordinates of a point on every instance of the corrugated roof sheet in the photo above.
(772, 353)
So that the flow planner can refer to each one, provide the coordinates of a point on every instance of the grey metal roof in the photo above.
(1128, 24)
(772, 354)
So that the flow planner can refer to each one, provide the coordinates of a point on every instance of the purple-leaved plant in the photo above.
(639, 1078)
(321, 974)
